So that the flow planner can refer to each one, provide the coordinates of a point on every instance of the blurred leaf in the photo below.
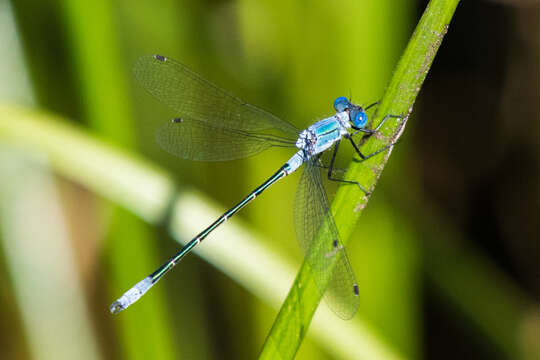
(103, 77)
(471, 282)
(42, 261)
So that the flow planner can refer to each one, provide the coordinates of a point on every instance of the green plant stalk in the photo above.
(298, 308)
(304, 92)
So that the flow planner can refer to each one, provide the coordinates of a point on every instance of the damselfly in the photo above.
(216, 126)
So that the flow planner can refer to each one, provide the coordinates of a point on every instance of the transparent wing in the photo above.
(197, 99)
(195, 140)
(319, 239)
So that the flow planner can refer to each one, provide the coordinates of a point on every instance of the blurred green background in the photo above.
(447, 252)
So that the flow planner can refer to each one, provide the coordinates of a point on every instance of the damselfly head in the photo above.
(358, 117)
(341, 104)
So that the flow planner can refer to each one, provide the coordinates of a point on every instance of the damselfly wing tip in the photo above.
(160, 57)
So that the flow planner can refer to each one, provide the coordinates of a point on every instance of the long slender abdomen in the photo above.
(137, 291)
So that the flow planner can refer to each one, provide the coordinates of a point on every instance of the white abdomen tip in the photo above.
(131, 296)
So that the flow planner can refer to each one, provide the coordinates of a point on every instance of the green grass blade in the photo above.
(297, 311)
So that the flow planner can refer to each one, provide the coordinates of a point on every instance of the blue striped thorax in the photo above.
(323, 134)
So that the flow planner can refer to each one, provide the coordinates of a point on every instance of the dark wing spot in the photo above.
(335, 243)
(355, 289)
(176, 120)
(160, 58)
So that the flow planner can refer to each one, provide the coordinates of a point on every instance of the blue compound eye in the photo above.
(341, 104)
(359, 119)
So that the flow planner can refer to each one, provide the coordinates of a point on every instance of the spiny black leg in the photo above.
(373, 131)
(331, 170)
(377, 152)
(335, 170)
(365, 157)
(331, 167)
(372, 105)
(356, 148)
(385, 118)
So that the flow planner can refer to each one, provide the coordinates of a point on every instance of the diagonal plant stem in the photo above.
(296, 313)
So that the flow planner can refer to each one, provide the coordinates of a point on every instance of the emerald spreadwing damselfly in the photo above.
(214, 125)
